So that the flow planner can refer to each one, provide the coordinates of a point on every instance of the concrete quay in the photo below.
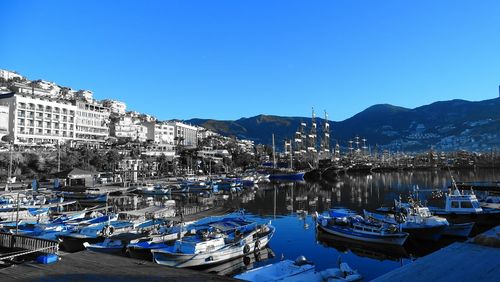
(475, 260)
(89, 266)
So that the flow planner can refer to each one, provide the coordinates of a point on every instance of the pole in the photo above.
(274, 154)
(58, 156)
(17, 214)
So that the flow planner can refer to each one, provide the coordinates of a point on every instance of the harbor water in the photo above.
(290, 206)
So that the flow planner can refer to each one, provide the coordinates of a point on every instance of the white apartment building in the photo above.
(36, 120)
(4, 120)
(204, 133)
(160, 133)
(5, 74)
(116, 107)
(185, 134)
(129, 127)
(91, 122)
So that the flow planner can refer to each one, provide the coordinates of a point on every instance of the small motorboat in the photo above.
(299, 270)
(465, 208)
(414, 218)
(221, 241)
(348, 224)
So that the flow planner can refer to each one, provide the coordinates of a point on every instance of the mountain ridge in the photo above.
(443, 125)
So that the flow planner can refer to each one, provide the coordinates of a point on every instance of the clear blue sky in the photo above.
(232, 59)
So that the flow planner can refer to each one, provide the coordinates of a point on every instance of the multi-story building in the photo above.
(91, 122)
(5, 74)
(204, 133)
(185, 134)
(160, 133)
(128, 127)
(39, 120)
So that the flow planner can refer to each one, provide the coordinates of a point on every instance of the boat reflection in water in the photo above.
(363, 249)
(241, 264)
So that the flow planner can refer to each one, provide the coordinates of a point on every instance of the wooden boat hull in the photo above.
(73, 244)
(389, 239)
(489, 217)
(298, 176)
(458, 230)
(227, 253)
(432, 233)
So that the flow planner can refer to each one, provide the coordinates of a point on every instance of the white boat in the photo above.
(299, 270)
(463, 208)
(352, 226)
(413, 218)
(223, 241)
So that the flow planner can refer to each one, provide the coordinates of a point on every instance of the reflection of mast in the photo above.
(325, 142)
(311, 147)
(274, 154)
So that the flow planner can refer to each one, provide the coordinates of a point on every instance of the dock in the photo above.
(475, 260)
(89, 266)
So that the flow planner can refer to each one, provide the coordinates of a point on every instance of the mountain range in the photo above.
(443, 126)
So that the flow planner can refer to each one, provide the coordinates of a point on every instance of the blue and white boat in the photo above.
(221, 241)
(154, 190)
(299, 270)
(465, 208)
(414, 218)
(93, 233)
(117, 244)
(348, 224)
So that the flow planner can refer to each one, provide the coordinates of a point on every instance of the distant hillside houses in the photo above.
(43, 113)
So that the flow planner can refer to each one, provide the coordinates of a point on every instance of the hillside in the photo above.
(446, 125)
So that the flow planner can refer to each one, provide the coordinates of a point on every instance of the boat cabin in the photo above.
(457, 202)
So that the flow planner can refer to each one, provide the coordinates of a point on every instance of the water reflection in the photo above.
(242, 264)
(290, 205)
(373, 251)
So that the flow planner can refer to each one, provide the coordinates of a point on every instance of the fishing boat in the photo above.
(299, 270)
(93, 233)
(458, 230)
(222, 241)
(414, 218)
(153, 190)
(117, 244)
(286, 174)
(375, 251)
(348, 224)
(465, 208)
(141, 248)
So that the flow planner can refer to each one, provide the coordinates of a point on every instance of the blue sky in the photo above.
(232, 59)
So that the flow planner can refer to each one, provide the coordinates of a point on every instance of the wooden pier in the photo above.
(20, 245)
(89, 266)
